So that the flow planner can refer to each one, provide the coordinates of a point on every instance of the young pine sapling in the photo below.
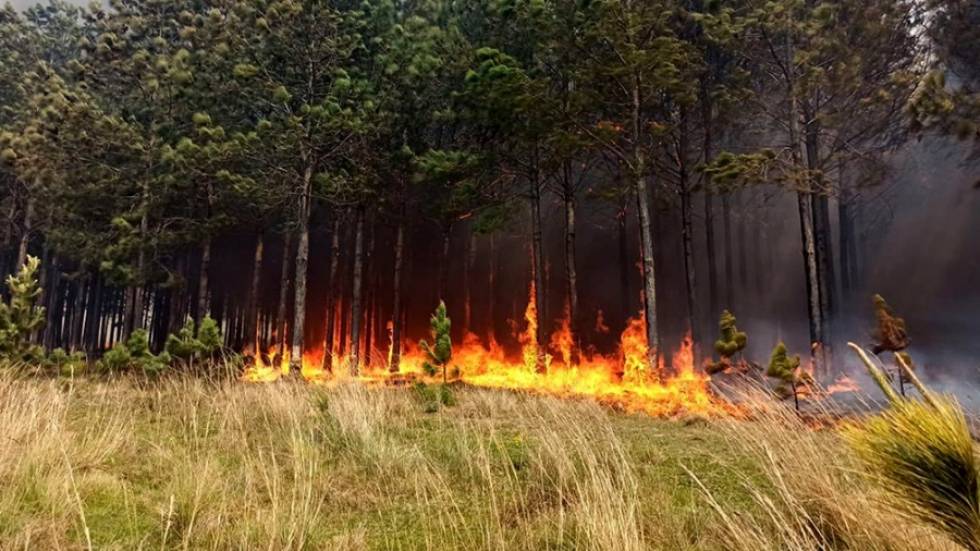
(787, 371)
(20, 317)
(440, 353)
(730, 343)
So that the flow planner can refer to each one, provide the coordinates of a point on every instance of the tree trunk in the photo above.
(135, 320)
(356, 299)
(332, 294)
(624, 262)
(646, 235)
(537, 261)
(571, 273)
(467, 284)
(728, 250)
(826, 281)
(78, 315)
(94, 314)
(252, 327)
(52, 303)
(25, 235)
(282, 326)
(707, 118)
(367, 301)
(203, 301)
(447, 231)
(492, 291)
(687, 236)
(302, 261)
(394, 362)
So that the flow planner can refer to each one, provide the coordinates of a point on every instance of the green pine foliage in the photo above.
(194, 344)
(786, 370)
(730, 343)
(440, 352)
(20, 317)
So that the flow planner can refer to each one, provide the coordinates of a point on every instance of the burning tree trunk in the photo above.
(302, 260)
(537, 261)
(356, 299)
(335, 290)
(394, 363)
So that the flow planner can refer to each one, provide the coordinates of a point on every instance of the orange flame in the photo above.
(621, 380)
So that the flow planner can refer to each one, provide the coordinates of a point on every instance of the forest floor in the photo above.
(186, 463)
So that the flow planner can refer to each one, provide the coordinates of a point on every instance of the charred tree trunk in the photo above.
(356, 298)
(299, 278)
(394, 362)
(333, 293)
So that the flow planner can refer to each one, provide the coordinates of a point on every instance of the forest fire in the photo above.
(618, 380)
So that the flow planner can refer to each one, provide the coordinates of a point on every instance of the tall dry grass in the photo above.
(185, 463)
(812, 492)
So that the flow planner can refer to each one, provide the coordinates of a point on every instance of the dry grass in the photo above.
(189, 464)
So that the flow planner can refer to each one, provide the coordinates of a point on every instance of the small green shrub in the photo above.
(135, 354)
(434, 398)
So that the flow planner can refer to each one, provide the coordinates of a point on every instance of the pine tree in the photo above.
(440, 352)
(730, 343)
(787, 371)
(20, 318)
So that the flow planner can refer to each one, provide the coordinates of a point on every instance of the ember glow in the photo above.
(620, 380)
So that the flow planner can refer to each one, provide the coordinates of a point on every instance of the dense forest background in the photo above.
(341, 166)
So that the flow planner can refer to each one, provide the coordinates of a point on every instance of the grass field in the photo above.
(184, 463)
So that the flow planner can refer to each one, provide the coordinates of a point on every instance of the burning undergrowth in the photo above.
(619, 380)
